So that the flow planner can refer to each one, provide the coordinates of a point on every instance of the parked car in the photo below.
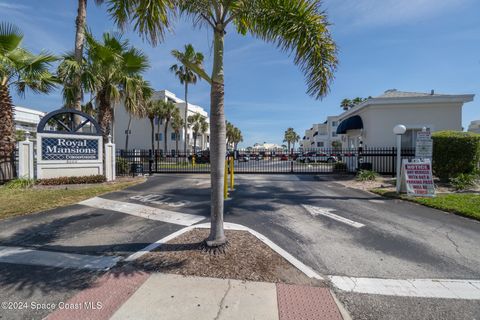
(243, 158)
(284, 157)
(317, 157)
(257, 157)
(200, 157)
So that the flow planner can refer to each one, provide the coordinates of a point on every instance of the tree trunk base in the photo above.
(215, 247)
(7, 170)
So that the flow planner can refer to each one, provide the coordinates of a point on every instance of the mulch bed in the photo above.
(245, 258)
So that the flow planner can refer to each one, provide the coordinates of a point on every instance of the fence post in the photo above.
(291, 166)
(110, 160)
(393, 161)
(150, 161)
(25, 159)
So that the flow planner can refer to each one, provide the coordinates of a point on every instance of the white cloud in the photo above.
(366, 13)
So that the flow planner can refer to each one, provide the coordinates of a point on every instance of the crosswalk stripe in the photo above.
(142, 211)
(18, 255)
(425, 288)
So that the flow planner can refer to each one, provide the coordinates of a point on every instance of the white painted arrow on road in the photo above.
(315, 211)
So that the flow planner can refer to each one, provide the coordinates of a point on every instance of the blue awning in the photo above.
(351, 123)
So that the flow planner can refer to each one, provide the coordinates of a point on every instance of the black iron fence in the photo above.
(318, 161)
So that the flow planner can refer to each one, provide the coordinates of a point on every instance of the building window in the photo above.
(174, 136)
(334, 134)
(334, 123)
(158, 136)
(320, 144)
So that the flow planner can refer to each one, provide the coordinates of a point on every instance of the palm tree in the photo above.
(111, 72)
(177, 125)
(289, 137)
(152, 110)
(237, 137)
(295, 139)
(346, 104)
(295, 26)
(167, 110)
(229, 133)
(357, 100)
(135, 102)
(19, 69)
(199, 125)
(186, 75)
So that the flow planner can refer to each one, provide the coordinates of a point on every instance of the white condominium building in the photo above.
(321, 135)
(139, 130)
(474, 126)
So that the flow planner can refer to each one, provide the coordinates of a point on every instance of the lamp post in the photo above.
(398, 130)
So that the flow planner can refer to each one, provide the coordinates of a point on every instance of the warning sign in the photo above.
(424, 145)
(417, 175)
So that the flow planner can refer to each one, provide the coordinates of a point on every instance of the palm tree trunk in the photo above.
(176, 145)
(7, 135)
(165, 136)
(104, 116)
(195, 142)
(217, 145)
(152, 125)
(186, 115)
(158, 134)
(79, 41)
(128, 132)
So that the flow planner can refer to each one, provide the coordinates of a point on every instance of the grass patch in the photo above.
(464, 204)
(14, 202)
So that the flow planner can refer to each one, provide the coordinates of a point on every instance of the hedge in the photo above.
(455, 152)
(72, 180)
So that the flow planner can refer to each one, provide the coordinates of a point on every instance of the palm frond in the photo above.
(10, 38)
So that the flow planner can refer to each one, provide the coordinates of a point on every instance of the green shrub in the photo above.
(464, 181)
(122, 165)
(20, 183)
(366, 175)
(72, 180)
(340, 167)
(455, 152)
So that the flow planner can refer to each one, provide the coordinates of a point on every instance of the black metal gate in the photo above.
(320, 161)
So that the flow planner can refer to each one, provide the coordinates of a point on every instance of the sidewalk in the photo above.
(138, 295)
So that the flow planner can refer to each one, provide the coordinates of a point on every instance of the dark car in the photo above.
(284, 157)
(200, 157)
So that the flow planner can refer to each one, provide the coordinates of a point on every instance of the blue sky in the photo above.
(410, 45)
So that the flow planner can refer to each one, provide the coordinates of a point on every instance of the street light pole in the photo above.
(399, 130)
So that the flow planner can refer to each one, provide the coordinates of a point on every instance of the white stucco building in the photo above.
(27, 119)
(321, 135)
(474, 126)
(140, 129)
(373, 120)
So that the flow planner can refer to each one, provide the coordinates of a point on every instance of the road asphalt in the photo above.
(337, 231)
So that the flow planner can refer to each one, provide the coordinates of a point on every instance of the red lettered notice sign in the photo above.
(417, 175)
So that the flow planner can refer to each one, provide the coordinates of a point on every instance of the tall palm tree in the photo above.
(167, 110)
(199, 125)
(290, 137)
(229, 133)
(136, 101)
(80, 25)
(19, 69)
(113, 72)
(186, 75)
(295, 26)
(295, 139)
(152, 111)
(346, 104)
(237, 137)
(358, 100)
(177, 125)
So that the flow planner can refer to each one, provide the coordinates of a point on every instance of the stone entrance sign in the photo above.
(69, 143)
